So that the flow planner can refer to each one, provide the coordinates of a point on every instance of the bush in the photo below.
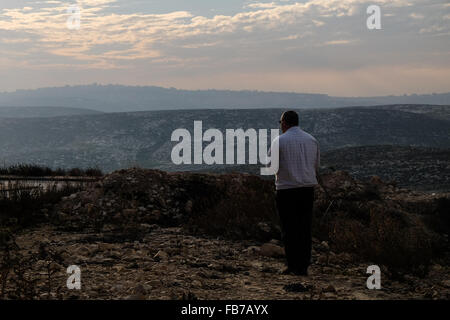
(23, 207)
(32, 170)
(390, 237)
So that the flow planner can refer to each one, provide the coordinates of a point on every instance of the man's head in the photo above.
(288, 119)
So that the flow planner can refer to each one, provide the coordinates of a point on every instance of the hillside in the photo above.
(411, 167)
(117, 98)
(120, 140)
(417, 168)
(433, 111)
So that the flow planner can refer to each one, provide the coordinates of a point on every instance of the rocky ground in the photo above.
(146, 234)
(168, 264)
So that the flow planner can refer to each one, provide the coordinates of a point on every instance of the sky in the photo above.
(310, 46)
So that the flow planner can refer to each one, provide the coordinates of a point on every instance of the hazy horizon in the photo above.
(216, 89)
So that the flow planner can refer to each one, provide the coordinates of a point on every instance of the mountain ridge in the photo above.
(117, 140)
(119, 98)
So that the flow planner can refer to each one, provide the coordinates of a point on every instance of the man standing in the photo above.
(299, 159)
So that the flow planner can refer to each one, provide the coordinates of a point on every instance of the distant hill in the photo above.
(436, 112)
(42, 112)
(120, 140)
(413, 167)
(117, 98)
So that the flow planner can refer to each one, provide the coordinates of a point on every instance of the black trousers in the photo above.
(295, 208)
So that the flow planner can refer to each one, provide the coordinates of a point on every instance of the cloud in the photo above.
(111, 39)
(339, 42)
(417, 15)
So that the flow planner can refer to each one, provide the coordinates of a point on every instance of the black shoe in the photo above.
(303, 272)
(287, 271)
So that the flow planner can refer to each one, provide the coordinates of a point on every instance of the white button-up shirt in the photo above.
(299, 159)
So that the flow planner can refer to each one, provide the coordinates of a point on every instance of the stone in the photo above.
(329, 288)
(329, 295)
(154, 283)
(360, 296)
(252, 250)
(161, 256)
(324, 246)
(264, 227)
(322, 259)
(446, 283)
(197, 283)
(271, 250)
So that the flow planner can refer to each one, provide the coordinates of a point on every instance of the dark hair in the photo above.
(290, 118)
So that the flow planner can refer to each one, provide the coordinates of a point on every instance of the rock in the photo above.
(139, 290)
(271, 250)
(329, 295)
(446, 283)
(161, 256)
(136, 297)
(328, 270)
(197, 283)
(436, 268)
(154, 283)
(360, 296)
(322, 259)
(73, 196)
(323, 246)
(84, 251)
(333, 258)
(345, 258)
(156, 215)
(128, 213)
(188, 206)
(118, 287)
(89, 208)
(376, 180)
(329, 288)
(252, 250)
(264, 227)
